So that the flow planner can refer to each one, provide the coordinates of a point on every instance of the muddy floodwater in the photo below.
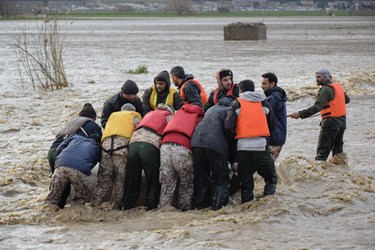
(317, 205)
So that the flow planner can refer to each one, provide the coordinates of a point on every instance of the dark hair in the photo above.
(246, 85)
(178, 71)
(271, 77)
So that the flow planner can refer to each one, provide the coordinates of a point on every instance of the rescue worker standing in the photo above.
(249, 120)
(276, 97)
(161, 92)
(176, 160)
(115, 141)
(331, 103)
(144, 154)
(226, 87)
(211, 156)
(189, 88)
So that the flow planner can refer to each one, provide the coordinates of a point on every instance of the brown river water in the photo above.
(316, 206)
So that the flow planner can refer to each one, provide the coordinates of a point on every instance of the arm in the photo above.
(325, 95)
(146, 100)
(138, 106)
(230, 130)
(210, 101)
(177, 101)
(107, 111)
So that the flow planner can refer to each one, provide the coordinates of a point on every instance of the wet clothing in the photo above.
(64, 176)
(146, 157)
(78, 152)
(176, 162)
(191, 92)
(218, 93)
(77, 155)
(275, 151)
(112, 169)
(252, 154)
(170, 96)
(277, 98)
(80, 125)
(115, 103)
(144, 154)
(211, 155)
(331, 128)
(176, 159)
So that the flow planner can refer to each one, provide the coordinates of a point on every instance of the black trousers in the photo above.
(248, 163)
(211, 179)
(329, 140)
(144, 156)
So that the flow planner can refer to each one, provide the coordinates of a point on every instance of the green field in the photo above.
(259, 13)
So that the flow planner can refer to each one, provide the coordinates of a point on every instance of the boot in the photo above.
(270, 187)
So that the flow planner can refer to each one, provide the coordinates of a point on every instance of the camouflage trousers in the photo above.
(61, 177)
(176, 162)
(275, 151)
(111, 174)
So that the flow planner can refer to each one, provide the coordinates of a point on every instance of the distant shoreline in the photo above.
(253, 13)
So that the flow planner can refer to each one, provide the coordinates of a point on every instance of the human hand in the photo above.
(234, 167)
(294, 115)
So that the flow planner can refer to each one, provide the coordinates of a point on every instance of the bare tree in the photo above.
(180, 6)
(40, 56)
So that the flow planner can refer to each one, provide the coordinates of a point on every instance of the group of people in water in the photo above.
(188, 144)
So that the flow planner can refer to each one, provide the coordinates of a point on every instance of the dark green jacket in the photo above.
(325, 94)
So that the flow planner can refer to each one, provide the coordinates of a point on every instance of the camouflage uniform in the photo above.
(61, 177)
(275, 151)
(112, 172)
(176, 162)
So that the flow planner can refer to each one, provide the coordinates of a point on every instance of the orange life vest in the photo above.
(335, 107)
(229, 93)
(251, 122)
(154, 97)
(155, 120)
(203, 94)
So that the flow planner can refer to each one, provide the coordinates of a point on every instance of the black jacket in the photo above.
(115, 103)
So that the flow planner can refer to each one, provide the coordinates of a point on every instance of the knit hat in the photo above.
(324, 73)
(128, 107)
(178, 71)
(129, 87)
(88, 111)
(225, 72)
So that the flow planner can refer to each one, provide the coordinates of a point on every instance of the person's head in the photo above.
(177, 74)
(269, 80)
(323, 77)
(88, 111)
(129, 90)
(162, 106)
(128, 107)
(224, 78)
(246, 85)
(162, 82)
